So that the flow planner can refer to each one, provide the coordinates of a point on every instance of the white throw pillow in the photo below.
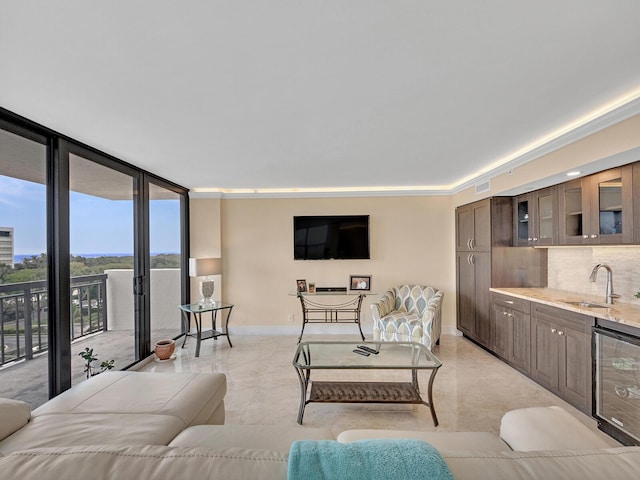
(14, 414)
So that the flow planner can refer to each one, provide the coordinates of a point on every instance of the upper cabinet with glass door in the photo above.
(597, 209)
(536, 217)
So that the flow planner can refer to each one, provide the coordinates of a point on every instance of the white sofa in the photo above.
(124, 408)
(535, 443)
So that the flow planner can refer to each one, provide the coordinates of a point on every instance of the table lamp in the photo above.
(205, 268)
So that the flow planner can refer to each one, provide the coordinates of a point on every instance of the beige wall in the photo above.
(411, 242)
(204, 219)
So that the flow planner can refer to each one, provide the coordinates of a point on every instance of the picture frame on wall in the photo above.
(312, 288)
(360, 282)
(301, 286)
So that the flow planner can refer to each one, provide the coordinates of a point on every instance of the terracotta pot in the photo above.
(165, 348)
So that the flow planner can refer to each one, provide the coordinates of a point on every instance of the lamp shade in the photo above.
(202, 267)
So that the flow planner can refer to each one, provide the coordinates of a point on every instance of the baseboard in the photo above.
(311, 329)
(316, 329)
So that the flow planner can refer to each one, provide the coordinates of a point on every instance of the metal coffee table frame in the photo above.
(340, 356)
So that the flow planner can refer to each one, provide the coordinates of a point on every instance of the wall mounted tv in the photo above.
(343, 237)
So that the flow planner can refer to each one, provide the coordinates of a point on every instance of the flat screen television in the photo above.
(343, 237)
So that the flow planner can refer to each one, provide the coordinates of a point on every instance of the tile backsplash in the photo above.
(569, 269)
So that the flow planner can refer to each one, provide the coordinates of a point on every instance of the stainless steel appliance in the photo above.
(616, 372)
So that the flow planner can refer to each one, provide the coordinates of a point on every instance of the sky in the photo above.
(98, 225)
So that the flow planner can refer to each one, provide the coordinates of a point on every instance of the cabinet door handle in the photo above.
(594, 236)
(560, 332)
(510, 302)
(504, 313)
(473, 244)
(472, 259)
(529, 239)
(469, 244)
(535, 239)
(553, 330)
(585, 236)
(509, 315)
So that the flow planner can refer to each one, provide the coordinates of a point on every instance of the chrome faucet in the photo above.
(609, 293)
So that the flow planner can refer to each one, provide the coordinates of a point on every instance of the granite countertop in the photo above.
(624, 313)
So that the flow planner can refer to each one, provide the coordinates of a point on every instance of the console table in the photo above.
(314, 311)
(197, 310)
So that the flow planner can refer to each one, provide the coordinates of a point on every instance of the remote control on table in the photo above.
(368, 349)
(361, 352)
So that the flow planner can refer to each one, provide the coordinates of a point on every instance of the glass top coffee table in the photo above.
(339, 357)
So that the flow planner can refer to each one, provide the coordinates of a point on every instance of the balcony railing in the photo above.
(24, 315)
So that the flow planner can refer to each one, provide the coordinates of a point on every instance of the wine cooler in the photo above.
(616, 403)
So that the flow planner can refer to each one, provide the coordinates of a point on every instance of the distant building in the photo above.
(6, 245)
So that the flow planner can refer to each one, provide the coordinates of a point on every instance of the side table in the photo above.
(197, 310)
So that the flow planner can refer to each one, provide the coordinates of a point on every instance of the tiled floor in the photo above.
(472, 390)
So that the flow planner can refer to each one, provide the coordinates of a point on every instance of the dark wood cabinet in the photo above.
(512, 327)
(636, 203)
(545, 351)
(473, 227)
(466, 293)
(561, 353)
(551, 345)
(474, 281)
(535, 218)
(482, 321)
(480, 227)
(598, 209)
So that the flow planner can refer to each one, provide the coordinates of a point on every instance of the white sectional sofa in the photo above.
(152, 425)
(123, 408)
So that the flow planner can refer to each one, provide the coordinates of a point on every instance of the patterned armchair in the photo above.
(408, 313)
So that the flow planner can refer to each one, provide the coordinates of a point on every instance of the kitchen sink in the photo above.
(581, 303)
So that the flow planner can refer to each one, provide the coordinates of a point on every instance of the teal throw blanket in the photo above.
(366, 459)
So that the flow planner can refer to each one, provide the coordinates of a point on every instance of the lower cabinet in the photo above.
(561, 353)
(473, 296)
(551, 345)
(512, 337)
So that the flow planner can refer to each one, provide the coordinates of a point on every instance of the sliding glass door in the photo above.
(24, 312)
(92, 258)
(165, 244)
(101, 226)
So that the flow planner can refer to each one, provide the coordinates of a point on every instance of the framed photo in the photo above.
(360, 282)
(312, 288)
(302, 286)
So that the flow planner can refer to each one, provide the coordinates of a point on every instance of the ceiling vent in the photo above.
(483, 187)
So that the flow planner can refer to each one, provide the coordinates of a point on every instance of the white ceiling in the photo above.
(315, 94)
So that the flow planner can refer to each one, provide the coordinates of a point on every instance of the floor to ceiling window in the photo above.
(23, 269)
(101, 223)
(165, 243)
(92, 255)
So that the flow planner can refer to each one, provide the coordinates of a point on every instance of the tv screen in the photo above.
(344, 237)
